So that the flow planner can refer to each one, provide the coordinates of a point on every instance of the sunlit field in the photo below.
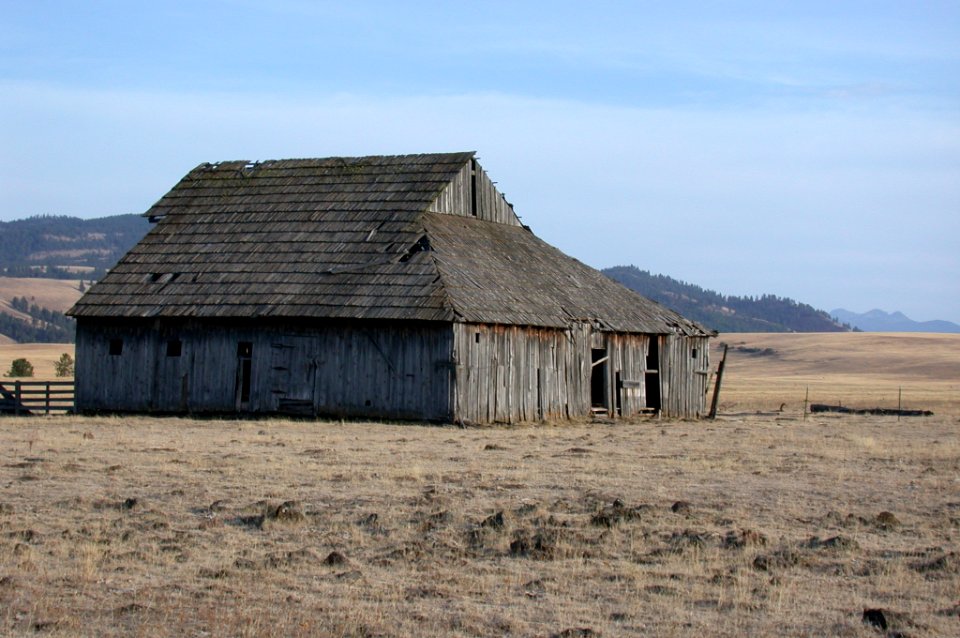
(764, 524)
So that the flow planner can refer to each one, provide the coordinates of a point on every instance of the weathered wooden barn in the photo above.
(387, 287)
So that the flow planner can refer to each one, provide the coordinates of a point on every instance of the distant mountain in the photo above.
(880, 321)
(53, 246)
(767, 313)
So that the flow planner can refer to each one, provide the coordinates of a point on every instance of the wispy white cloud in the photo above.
(764, 201)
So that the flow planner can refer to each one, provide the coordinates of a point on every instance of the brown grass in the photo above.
(783, 526)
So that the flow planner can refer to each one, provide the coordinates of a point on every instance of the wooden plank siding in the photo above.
(625, 373)
(471, 193)
(684, 372)
(328, 368)
(510, 374)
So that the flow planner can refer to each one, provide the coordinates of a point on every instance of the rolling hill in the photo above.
(767, 313)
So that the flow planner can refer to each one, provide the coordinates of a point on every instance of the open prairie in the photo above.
(857, 369)
(750, 525)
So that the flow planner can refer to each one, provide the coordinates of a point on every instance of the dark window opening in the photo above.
(619, 387)
(473, 187)
(694, 353)
(652, 377)
(245, 381)
(174, 348)
(597, 378)
(116, 347)
(653, 391)
(244, 369)
(539, 395)
(653, 353)
(476, 337)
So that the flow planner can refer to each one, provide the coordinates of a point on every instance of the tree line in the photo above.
(44, 326)
(726, 313)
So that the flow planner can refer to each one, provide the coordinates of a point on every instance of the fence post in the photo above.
(47, 402)
(17, 396)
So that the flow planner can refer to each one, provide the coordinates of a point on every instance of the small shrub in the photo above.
(64, 367)
(20, 368)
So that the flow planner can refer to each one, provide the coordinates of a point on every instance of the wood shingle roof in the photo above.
(352, 238)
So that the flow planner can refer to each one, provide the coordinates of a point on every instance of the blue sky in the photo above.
(809, 150)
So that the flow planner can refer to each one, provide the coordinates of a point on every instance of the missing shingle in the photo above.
(249, 168)
(422, 245)
(160, 277)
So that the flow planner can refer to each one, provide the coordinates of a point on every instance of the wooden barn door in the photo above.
(292, 376)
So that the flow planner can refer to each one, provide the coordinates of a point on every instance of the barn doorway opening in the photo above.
(539, 394)
(244, 369)
(652, 376)
(598, 378)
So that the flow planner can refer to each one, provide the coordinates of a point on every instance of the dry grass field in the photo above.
(41, 355)
(860, 369)
(750, 525)
(55, 294)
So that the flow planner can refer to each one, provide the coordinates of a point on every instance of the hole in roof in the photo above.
(160, 277)
(422, 245)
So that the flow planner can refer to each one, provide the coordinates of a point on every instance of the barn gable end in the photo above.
(472, 194)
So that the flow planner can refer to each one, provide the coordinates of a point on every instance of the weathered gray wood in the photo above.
(391, 370)
(716, 390)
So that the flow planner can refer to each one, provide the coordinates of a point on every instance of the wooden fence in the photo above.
(36, 397)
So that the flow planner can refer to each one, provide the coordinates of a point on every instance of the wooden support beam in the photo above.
(716, 389)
